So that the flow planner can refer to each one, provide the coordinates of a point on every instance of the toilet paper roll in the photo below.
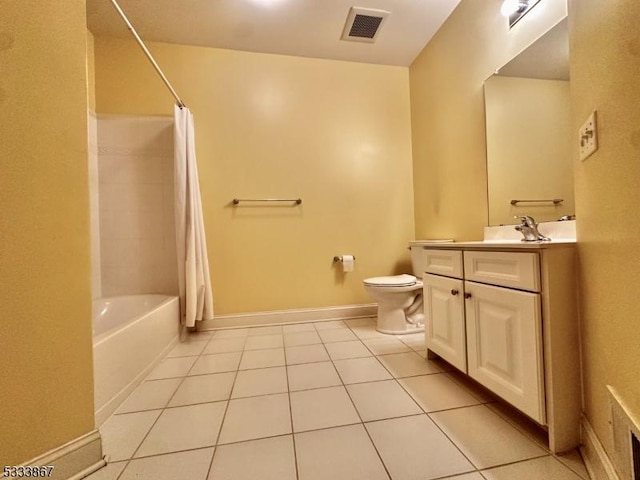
(347, 263)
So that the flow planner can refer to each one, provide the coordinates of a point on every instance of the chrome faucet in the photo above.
(529, 229)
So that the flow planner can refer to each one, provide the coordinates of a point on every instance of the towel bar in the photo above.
(555, 201)
(297, 201)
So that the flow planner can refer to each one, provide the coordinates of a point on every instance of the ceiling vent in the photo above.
(363, 24)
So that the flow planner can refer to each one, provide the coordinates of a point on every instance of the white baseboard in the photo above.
(75, 459)
(282, 317)
(595, 457)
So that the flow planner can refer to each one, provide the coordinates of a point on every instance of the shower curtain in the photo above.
(196, 299)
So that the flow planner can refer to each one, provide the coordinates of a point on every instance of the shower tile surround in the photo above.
(136, 214)
(94, 205)
(345, 409)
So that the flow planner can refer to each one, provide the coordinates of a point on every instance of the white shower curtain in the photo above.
(196, 299)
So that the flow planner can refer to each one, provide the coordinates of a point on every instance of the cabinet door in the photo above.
(504, 345)
(444, 319)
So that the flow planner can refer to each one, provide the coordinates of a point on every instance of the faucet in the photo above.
(529, 228)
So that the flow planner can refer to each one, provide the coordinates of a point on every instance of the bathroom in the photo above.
(407, 164)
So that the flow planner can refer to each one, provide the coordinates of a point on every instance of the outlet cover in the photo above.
(588, 137)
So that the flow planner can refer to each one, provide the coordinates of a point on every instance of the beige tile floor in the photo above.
(325, 400)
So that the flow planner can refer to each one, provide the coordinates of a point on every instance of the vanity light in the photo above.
(512, 6)
(516, 9)
(267, 3)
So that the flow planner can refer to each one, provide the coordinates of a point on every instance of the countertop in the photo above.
(497, 245)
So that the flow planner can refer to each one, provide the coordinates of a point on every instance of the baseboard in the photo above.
(595, 457)
(75, 459)
(112, 405)
(283, 317)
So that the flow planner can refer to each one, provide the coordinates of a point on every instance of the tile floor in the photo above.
(326, 400)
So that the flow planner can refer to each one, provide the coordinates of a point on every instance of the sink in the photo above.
(557, 231)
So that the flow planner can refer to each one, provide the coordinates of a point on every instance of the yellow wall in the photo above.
(91, 72)
(529, 147)
(46, 397)
(447, 112)
(608, 200)
(336, 134)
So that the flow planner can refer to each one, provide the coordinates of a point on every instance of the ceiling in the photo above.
(307, 28)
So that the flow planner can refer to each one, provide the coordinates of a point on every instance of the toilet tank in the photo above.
(418, 259)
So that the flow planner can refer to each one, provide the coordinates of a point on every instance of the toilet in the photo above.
(399, 297)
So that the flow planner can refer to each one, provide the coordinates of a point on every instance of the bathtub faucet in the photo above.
(529, 229)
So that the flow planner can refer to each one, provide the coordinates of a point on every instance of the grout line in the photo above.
(578, 474)
(409, 415)
(236, 372)
(557, 457)
(126, 464)
(450, 439)
(493, 466)
(226, 409)
(504, 415)
(162, 411)
(458, 475)
(238, 442)
(476, 391)
(128, 461)
(515, 462)
(293, 438)
(429, 416)
(353, 404)
(163, 454)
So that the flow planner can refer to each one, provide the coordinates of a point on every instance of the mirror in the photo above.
(529, 137)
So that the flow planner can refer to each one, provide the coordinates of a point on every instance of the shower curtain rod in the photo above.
(147, 53)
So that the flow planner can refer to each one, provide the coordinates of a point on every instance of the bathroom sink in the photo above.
(502, 244)
(505, 236)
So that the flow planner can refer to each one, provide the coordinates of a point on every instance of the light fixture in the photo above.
(516, 9)
(267, 3)
(512, 6)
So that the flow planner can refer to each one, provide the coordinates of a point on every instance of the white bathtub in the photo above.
(131, 334)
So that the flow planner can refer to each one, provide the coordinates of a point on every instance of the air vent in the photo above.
(363, 24)
(626, 432)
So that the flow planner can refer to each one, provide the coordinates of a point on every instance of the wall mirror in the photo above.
(529, 138)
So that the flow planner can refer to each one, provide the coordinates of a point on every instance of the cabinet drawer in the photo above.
(507, 269)
(443, 262)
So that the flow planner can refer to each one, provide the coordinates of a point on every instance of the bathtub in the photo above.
(131, 334)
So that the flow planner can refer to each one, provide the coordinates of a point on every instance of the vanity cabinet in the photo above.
(445, 332)
(504, 345)
(508, 319)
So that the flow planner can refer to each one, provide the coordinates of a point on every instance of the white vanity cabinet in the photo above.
(444, 319)
(508, 318)
(504, 345)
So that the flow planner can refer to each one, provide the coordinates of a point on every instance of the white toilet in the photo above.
(399, 297)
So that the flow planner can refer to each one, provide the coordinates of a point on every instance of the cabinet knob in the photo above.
(454, 291)
(467, 295)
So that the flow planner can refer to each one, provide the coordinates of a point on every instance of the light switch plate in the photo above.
(588, 137)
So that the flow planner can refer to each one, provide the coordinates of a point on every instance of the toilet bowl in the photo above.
(399, 297)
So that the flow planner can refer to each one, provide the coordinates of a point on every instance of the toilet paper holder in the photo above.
(338, 258)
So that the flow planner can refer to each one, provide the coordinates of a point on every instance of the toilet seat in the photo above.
(403, 280)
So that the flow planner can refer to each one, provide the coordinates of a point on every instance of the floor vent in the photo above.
(363, 24)
(626, 434)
